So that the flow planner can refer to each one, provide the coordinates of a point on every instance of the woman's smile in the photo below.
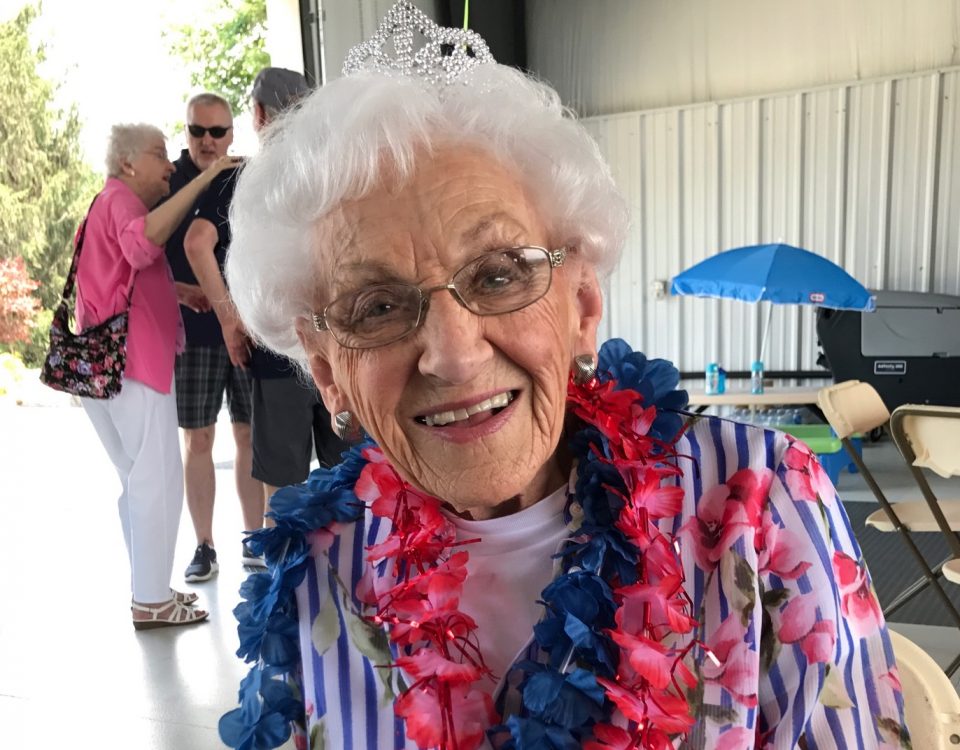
(470, 419)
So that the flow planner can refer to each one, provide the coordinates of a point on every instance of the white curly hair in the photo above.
(338, 143)
(126, 142)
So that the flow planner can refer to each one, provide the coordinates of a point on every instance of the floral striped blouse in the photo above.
(777, 583)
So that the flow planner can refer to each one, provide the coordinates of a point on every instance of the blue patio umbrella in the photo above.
(776, 273)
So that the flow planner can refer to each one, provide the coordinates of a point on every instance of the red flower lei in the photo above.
(417, 595)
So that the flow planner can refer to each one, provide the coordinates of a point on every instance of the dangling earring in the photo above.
(584, 368)
(345, 428)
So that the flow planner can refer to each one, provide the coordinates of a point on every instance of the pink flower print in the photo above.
(736, 738)
(322, 539)
(779, 550)
(724, 513)
(857, 601)
(805, 477)
(892, 678)
(751, 488)
(706, 532)
(739, 670)
(799, 624)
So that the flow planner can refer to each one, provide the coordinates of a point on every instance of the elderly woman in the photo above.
(528, 551)
(122, 265)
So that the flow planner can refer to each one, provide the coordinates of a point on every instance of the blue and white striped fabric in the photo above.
(774, 575)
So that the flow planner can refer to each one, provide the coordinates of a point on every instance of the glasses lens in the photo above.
(198, 131)
(503, 282)
(374, 316)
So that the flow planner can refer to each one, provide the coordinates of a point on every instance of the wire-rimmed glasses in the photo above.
(494, 283)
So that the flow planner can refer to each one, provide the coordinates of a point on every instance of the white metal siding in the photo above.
(607, 56)
(866, 174)
(349, 22)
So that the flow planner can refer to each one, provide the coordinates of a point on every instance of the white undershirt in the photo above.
(508, 568)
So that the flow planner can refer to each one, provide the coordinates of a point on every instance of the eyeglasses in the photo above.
(492, 284)
(217, 131)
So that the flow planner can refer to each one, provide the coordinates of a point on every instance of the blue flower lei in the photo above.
(561, 699)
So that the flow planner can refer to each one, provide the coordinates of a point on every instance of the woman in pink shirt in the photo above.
(123, 250)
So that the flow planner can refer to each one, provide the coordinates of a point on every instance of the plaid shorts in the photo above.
(202, 375)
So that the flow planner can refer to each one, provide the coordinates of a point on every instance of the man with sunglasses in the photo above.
(206, 370)
(288, 420)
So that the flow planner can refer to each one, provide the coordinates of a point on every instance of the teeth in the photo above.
(458, 415)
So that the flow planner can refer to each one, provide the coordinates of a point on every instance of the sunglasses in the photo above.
(217, 131)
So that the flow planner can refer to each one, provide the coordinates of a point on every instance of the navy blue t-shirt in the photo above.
(202, 329)
(214, 206)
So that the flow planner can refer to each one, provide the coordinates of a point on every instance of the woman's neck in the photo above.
(148, 200)
(551, 476)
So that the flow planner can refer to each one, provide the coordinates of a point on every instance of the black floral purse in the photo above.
(89, 363)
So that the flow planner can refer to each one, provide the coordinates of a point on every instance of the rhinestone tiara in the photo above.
(446, 54)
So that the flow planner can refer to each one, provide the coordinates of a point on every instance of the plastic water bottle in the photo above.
(756, 377)
(713, 379)
(722, 381)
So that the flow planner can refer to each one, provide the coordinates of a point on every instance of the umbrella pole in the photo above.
(766, 331)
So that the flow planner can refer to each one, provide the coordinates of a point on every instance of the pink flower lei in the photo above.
(416, 596)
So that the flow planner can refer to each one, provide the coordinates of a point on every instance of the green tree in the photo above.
(45, 186)
(225, 56)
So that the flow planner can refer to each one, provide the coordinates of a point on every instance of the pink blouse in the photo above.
(115, 247)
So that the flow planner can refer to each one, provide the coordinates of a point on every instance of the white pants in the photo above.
(138, 428)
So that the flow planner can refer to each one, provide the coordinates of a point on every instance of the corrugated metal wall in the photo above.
(349, 22)
(866, 174)
(613, 56)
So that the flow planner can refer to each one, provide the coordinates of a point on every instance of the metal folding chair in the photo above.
(851, 407)
(930, 701)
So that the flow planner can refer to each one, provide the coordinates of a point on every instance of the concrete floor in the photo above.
(71, 664)
(68, 654)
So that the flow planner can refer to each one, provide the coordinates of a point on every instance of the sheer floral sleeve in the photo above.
(799, 655)
(827, 664)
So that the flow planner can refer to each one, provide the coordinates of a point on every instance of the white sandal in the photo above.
(168, 615)
(184, 597)
(188, 598)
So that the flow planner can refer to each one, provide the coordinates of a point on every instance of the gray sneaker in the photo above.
(204, 564)
(248, 558)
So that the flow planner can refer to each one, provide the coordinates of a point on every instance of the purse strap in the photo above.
(68, 285)
(72, 275)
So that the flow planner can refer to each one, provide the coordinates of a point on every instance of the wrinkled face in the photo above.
(206, 149)
(460, 204)
(149, 172)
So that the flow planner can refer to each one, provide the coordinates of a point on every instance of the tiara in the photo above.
(445, 55)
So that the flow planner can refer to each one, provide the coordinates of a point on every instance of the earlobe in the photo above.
(321, 371)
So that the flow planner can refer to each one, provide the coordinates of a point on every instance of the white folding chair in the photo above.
(931, 703)
(928, 437)
(851, 407)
